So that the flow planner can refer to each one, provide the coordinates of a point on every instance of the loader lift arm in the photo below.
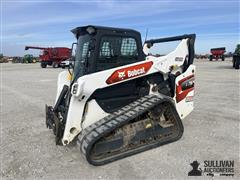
(191, 42)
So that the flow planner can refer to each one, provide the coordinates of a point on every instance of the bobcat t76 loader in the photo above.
(118, 99)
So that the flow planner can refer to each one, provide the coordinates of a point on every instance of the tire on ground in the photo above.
(43, 65)
(210, 58)
(233, 62)
(237, 63)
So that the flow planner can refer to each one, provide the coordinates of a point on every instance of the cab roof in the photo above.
(81, 30)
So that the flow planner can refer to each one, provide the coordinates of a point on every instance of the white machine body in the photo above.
(82, 113)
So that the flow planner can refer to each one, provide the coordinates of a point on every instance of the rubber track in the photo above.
(90, 135)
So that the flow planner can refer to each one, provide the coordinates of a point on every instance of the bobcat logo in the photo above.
(121, 75)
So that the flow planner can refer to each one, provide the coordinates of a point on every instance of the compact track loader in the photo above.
(118, 99)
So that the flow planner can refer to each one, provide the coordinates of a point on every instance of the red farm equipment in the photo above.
(52, 56)
(217, 53)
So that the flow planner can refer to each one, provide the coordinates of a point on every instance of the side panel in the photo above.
(185, 92)
(92, 111)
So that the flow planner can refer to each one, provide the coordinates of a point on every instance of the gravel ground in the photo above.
(28, 150)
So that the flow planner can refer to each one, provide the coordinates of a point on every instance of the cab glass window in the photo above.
(114, 49)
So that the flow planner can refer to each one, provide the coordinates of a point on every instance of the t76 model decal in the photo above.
(129, 72)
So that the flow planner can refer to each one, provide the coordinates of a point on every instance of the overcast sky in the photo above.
(48, 23)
